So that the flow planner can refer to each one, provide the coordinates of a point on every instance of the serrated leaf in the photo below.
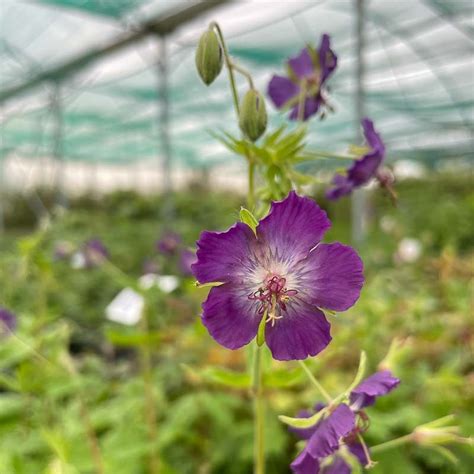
(226, 377)
(283, 378)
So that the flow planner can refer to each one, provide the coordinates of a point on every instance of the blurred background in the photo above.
(107, 136)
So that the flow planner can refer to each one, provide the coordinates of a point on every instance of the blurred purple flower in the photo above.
(186, 259)
(63, 250)
(169, 243)
(308, 73)
(94, 252)
(282, 273)
(7, 322)
(150, 267)
(340, 427)
(364, 169)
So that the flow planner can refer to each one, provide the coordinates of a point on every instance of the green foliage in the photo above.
(202, 392)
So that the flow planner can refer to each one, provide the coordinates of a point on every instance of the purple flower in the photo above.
(363, 169)
(325, 440)
(94, 252)
(63, 250)
(282, 273)
(169, 243)
(368, 390)
(150, 266)
(186, 259)
(7, 321)
(307, 74)
(340, 427)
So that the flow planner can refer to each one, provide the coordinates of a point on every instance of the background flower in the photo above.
(362, 170)
(307, 74)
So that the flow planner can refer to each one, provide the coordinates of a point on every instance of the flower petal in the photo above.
(331, 277)
(372, 387)
(305, 464)
(327, 58)
(358, 451)
(363, 170)
(293, 227)
(311, 107)
(302, 331)
(325, 440)
(342, 187)
(338, 466)
(223, 256)
(302, 65)
(372, 137)
(230, 317)
(281, 90)
(7, 321)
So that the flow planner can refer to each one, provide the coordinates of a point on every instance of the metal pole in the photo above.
(58, 155)
(359, 201)
(163, 124)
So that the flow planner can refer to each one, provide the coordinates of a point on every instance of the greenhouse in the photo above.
(236, 236)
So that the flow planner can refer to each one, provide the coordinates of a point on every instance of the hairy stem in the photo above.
(315, 382)
(244, 73)
(391, 444)
(230, 69)
(149, 408)
(259, 413)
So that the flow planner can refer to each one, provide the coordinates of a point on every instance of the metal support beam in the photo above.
(163, 125)
(359, 197)
(162, 26)
(57, 145)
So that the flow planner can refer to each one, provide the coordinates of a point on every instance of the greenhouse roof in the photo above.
(418, 85)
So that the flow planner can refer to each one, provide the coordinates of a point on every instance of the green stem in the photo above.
(314, 381)
(251, 178)
(230, 69)
(244, 73)
(391, 444)
(301, 101)
(325, 154)
(150, 407)
(259, 413)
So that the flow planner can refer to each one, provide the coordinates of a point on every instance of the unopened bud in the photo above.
(253, 115)
(209, 57)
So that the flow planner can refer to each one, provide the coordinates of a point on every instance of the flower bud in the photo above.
(253, 115)
(209, 57)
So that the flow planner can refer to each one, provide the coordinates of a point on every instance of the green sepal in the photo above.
(360, 372)
(302, 422)
(248, 218)
(253, 115)
(210, 284)
(261, 330)
(209, 57)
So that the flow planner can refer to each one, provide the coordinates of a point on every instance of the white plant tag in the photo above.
(166, 283)
(126, 307)
(78, 261)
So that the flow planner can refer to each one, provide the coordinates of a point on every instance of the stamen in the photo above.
(273, 297)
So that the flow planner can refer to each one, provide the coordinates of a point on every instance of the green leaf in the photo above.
(248, 218)
(133, 339)
(283, 378)
(218, 375)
